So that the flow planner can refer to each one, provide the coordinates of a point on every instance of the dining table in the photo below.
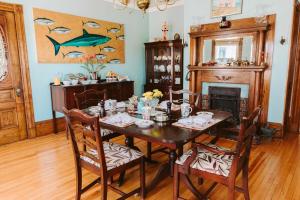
(166, 134)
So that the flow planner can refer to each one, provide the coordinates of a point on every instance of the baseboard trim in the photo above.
(278, 127)
(46, 127)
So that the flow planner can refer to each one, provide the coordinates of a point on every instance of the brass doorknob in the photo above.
(18, 92)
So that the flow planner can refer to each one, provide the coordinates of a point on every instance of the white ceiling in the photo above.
(152, 4)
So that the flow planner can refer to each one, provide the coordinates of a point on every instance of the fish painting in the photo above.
(114, 61)
(100, 56)
(91, 24)
(120, 37)
(44, 21)
(114, 30)
(85, 40)
(59, 30)
(108, 49)
(73, 54)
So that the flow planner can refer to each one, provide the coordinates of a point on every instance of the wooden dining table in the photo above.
(166, 135)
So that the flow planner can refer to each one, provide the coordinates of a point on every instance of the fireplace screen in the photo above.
(226, 99)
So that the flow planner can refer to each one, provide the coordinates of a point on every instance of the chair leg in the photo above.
(78, 182)
(176, 183)
(142, 179)
(104, 188)
(231, 190)
(149, 150)
(245, 183)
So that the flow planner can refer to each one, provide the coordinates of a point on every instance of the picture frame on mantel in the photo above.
(221, 8)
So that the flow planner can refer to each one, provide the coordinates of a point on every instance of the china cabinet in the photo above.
(164, 65)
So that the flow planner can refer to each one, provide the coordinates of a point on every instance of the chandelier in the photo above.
(144, 4)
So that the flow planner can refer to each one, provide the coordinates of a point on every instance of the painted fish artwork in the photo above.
(108, 49)
(43, 21)
(91, 24)
(113, 30)
(100, 56)
(59, 30)
(120, 37)
(64, 38)
(114, 61)
(73, 54)
(85, 40)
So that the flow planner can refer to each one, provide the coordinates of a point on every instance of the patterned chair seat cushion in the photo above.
(115, 155)
(105, 132)
(208, 161)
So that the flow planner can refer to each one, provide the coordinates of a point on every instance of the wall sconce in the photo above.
(282, 40)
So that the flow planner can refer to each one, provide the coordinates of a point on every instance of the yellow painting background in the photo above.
(45, 49)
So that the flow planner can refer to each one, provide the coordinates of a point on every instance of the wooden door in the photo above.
(292, 109)
(12, 112)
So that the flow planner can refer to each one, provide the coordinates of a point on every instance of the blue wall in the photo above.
(136, 33)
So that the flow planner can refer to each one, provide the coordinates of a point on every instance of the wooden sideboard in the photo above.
(63, 96)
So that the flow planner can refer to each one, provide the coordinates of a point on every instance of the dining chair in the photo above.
(177, 97)
(230, 130)
(217, 163)
(90, 98)
(101, 158)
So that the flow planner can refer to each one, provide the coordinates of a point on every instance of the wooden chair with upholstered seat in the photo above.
(218, 164)
(177, 98)
(90, 98)
(104, 159)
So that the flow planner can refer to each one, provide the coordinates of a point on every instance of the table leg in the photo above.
(172, 160)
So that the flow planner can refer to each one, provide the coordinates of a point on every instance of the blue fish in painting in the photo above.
(85, 40)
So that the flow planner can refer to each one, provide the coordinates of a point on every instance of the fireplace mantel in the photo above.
(256, 76)
(228, 68)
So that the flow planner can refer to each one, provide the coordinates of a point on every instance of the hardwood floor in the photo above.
(43, 168)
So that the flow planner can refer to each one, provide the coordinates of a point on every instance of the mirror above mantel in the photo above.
(226, 50)
(240, 45)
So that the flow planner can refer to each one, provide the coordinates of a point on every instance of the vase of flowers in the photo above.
(92, 65)
(150, 100)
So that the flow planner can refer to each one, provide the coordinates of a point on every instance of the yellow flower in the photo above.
(148, 94)
(157, 94)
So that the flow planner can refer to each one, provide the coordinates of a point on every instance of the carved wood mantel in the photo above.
(251, 75)
(257, 76)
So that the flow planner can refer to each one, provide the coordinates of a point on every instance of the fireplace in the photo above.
(226, 99)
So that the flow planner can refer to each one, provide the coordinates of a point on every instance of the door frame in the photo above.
(17, 9)
(293, 80)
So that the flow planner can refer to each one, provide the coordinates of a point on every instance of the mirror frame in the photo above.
(256, 29)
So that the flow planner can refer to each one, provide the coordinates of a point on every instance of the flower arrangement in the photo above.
(155, 94)
(92, 64)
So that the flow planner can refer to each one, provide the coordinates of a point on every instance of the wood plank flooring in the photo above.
(43, 168)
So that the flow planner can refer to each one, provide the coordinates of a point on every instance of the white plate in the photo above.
(205, 113)
(144, 123)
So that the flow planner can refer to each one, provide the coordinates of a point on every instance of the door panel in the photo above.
(12, 116)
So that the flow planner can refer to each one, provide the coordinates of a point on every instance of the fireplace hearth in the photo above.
(226, 99)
